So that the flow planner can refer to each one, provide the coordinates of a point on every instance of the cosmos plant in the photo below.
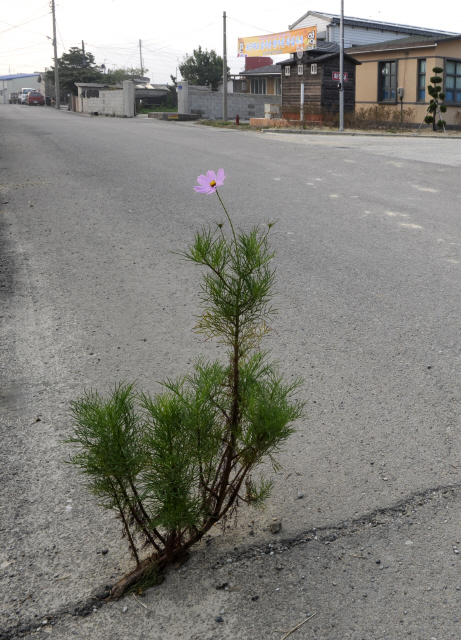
(172, 465)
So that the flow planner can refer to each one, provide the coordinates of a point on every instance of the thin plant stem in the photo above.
(230, 222)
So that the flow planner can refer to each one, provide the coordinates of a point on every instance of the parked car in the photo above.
(23, 94)
(35, 97)
(14, 98)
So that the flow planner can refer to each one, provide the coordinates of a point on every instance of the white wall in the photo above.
(111, 102)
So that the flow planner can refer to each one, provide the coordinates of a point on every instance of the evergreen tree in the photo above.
(203, 68)
(73, 67)
(437, 97)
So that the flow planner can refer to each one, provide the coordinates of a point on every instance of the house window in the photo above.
(287, 71)
(244, 86)
(421, 80)
(388, 82)
(300, 69)
(314, 69)
(453, 81)
(278, 86)
(258, 85)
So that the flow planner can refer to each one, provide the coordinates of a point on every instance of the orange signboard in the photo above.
(278, 43)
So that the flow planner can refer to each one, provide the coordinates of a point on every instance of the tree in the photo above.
(203, 68)
(124, 73)
(72, 70)
(437, 97)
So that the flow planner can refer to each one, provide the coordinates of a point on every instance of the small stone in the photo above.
(378, 561)
(45, 621)
(125, 609)
(300, 495)
(254, 598)
(429, 366)
(104, 551)
(219, 619)
(278, 567)
(275, 527)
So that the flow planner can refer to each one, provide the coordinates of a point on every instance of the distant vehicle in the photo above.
(23, 94)
(35, 97)
(14, 98)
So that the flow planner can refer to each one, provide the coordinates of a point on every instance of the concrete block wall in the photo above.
(209, 104)
(109, 103)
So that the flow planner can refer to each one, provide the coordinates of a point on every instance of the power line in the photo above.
(18, 26)
(22, 28)
(62, 41)
(30, 46)
(250, 25)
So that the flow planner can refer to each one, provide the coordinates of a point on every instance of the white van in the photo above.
(23, 94)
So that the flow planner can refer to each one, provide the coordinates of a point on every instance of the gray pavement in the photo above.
(368, 260)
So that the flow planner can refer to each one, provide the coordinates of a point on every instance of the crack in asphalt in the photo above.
(326, 534)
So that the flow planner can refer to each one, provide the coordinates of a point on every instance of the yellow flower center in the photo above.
(213, 183)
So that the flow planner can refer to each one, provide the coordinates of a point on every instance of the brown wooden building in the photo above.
(318, 69)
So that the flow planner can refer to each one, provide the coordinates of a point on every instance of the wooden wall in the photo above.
(320, 90)
(330, 93)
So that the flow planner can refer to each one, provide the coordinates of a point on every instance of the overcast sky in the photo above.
(111, 29)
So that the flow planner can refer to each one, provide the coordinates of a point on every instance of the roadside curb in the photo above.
(357, 133)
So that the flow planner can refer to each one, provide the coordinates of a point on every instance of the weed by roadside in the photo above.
(225, 124)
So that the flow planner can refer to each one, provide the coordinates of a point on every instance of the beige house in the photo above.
(396, 74)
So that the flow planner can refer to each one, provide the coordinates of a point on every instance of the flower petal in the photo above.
(211, 176)
(203, 180)
(203, 189)
(221, 176)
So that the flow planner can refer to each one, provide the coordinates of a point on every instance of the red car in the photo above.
(35, 97)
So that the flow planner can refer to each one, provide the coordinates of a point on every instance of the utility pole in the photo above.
(224, 69)
(341, 68)
(56, 68)
(83, 54)
(140, 58)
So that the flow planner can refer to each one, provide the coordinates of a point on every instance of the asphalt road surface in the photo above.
(368, 245)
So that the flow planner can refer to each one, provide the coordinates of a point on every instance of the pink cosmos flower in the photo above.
(209, 183)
